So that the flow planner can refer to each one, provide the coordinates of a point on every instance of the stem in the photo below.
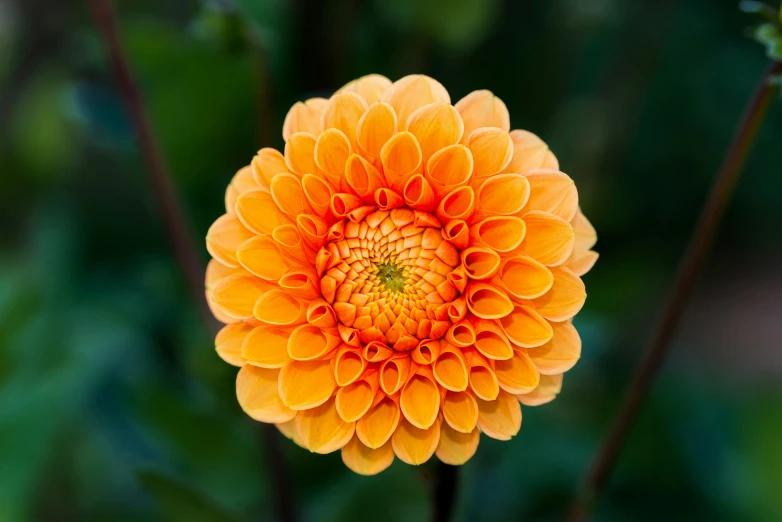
(176, 226)
(690, 268)
(444, 492)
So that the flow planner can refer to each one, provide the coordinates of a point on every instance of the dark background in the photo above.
(113, 404)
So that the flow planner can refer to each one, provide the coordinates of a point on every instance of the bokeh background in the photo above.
(113, 404)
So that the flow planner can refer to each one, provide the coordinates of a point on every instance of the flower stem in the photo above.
(690, 268)
(174, 219)
(444, 492)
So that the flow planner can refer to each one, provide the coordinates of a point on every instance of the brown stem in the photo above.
(174, 221)
(444, 494)
(690, 268)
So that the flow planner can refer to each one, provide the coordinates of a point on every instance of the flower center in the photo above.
(388, 277)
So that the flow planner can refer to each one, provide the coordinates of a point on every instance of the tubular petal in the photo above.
(321, 314)
(289, 196)
(491, 149)
(266, 346)
(366, 461)
(393, 373)
(401, 158)
(313, 230)
(461, 334)
(487, 301)
(370, 87)
(547, 391)
(363, 177)
(456, 448)
(224, 237)
(418, 194)
(500, 419)
(375, 128)
(426, 352)
(301, 283)
(448, 168)
(236, 295)
(228, 342)
(304, 117)
(526, 327)
(480, 263)
(517, 374)
(549, 238)
(322, 430)
(435, 126)
(348, 365)
(354, 400)
(483, 109)
(460, 410)
(378, 424)
(267, 164)
(318, 193)
(458, 204)
(553, 192)
(500, 233)
(279, 308)
(483, 382)
(490, 341)
(331, 153)
(306, 384)
(242, 181)
(457, 232)
(309, 342)
(525, 278)
(261, 256)
(415, 446)
(257, 211)
(256, 390)
(407, 94)
(343, 112)
(450, 370)
(420, 401)
(559, 354)
(530, 152)
(504, 194)
(300, 153)
(564, 299)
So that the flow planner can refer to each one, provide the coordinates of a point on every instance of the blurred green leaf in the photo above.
(180, 503)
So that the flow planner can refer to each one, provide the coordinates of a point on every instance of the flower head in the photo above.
(402, 277)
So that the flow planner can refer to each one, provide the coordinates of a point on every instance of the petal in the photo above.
(331, 153)
(408, 94)
(549, 238)
(483, 382)
(500, 419)
(547, 391)
(301, 283)
(553, 192)
(448, 168)
(300, 153)
(342, 112)
(289, 196)
(366, 461)
(585, 235)
(349, 366)
(401, 158)
(378, 424)
(370, 87)
(266, 346)
(309, 342)
(321, 314)
(289, 430)
(426, 352)
(526, 327)
(415, 446)
(491, 341)
(304, 117)
(279, 308)
(228, 342)
(457, 232)
(242, 181)
(460, 410)
(236, 295)
(450, 370)
(492, 150)
(500, 233)
(504, 194)
(313, 229)
(461, 334)
(318, 193)
(565, 298)
(224, 237)
(354, 400)
(261, 256)
(393, 372)
(258, 212)
(480, 262)
(458, 204)
(420, 401)
(322, 430)
(435, 126)
(375, 128)
(487, 301)
(363, 177)
(559, 354)
(267, 164)
(517, 374)
(418, 194)
(256, 390)
(306, 384)
(525, 278)
(456, 448)
(530, 152)
(483, 109)
(580, 264)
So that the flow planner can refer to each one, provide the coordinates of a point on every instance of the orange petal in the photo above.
(304, 117)
(322, 430)
(448, 168)
(552, 191)
(331, 153)
(279, 308)
(585, 235)
(457, 232)
(342, 112)
(267, 164)
(526, 327)
(580, 264)
(460, 410)
(266, 346)
(309, 342)
(559, 354)
(318, 193)
(300, 283)
(289, 430)
(549, 238)
(483, 382)
(564, 299)
(450, 370)
(387, 199)
(348, 365)
(375, 128)
(461, 334)
(529, 152)
(458, 204)
(415, 446)
(393, 372)
(525, 278)
(321, 314)
(483, 109)
(517, 374)
(491, 341)
(480, 262)
(242, 181)
(426, 352)
(456, 448)
(420, 401)
(370, 87)
(258, 212)
(306, 384)
(401, 158)
(500, 233)
(408, 94)
(363, 177)
(435, 126)
(313, 229)
(262, 257)
(418, 194)
(378, 424)
(236, 295)
(492, 150)
(300, 153)
(547, 391)
(224, 237)
(256, 390)
(289, 195)
(228, 342)
(500, 419)
(365, 461)
(487, 301)
(355, 399)
(504, 194)
(289, 242)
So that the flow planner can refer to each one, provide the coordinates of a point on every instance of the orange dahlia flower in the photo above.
(401, 277)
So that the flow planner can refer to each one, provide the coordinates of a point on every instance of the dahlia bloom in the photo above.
(401, 277)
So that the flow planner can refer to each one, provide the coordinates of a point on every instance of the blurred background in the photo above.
(113, 404)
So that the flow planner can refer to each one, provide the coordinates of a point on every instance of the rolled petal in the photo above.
(460, 410)
(300, 153)
(458, 204)
(301, 283)
(309, 342)
(256, 390)
(236, 295)
(483, 109)
(306, 384)
(553, 192)
(408, 94)
(304, 117)
(224, 237)
(480, 262)
(565, 298)
(355, 399)
(375, 128)
(349, 366)
(242, 181)
(228, 342)
(483, 381)
(418, 194)
(266, 346)
(370, 87)
(289, 241)
(343, 112)
(258, 212)
(461, 334)
(448, 168)
(420, 401)
(261, 256)
(267, 164)
(332, 151)
(318, 193)
(530, 152)
(366, 461)
(503, 195)
(426, 352)
(322, 430)
(289, 195)
(492, 150)
(456, 448)
(387, 199)
(378, 424)
(436, 126)
(313, 229)
(321, 314)
(363, 177)
(547, 391)
(526, 328)
(491, 341)
(549, 238)
(517, 374)
(501, 418)
(450, 370)
(559, 354)
(457, 232)
(525, 278)
(401, 158)
(487, 301)
(415, 446)
(500, 233)
(393, 372)
(279, 308)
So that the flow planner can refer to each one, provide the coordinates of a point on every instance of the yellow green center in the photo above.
(391, 275)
